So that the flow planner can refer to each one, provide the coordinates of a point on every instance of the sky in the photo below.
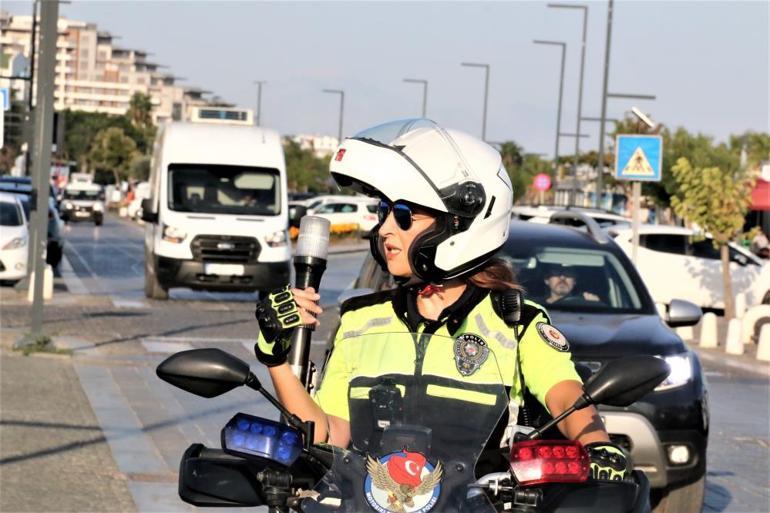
(707, 62)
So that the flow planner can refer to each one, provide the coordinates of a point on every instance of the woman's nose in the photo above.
(388, 225)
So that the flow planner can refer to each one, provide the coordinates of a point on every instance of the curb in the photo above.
(737, 363)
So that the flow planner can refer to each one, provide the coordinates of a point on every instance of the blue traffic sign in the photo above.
(5, 98)
(638, 157)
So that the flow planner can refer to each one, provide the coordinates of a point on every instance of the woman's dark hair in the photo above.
(497, 274)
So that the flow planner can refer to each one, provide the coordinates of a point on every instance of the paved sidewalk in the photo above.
(746, 362)
(53, 456)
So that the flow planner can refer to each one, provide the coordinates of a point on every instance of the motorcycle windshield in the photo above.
(422, 409)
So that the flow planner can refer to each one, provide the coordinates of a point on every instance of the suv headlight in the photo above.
(172, 234)
(277, 239)
(18, 242)
(681, 371)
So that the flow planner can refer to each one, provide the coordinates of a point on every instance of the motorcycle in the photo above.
(423, 442)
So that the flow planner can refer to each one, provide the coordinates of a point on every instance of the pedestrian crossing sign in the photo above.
(638, 157)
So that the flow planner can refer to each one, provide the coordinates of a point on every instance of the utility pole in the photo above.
(603, 116)
(259, 83)
(43, 133)
(424, 92)
(486, 94)
(342, 110)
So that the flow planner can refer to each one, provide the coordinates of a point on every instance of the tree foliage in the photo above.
(715, 193)
(522, 168)
(305, 172)
(112, 151)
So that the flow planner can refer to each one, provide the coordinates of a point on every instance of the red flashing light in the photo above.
(536, 462)
(340, 154)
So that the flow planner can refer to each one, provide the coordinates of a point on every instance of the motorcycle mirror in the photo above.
(624, 381)
(619, 383)
(205, 372)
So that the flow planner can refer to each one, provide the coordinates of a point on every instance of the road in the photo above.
(149, 423)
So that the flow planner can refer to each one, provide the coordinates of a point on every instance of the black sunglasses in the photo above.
(402, 213)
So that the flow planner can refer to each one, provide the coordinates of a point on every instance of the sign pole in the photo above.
(637, 194)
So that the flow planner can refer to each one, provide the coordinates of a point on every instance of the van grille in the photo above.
(225, 248)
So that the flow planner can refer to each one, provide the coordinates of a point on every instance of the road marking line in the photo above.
(71, 280)
(200, 340)
(120, 302)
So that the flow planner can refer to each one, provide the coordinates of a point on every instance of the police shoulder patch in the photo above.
(553, 337)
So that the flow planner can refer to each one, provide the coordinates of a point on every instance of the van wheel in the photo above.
(684, 499)
(98, 221)
(152, 288)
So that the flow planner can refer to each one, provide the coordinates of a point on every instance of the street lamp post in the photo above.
(259, 83)
(561, 90)
(342, 108)
(424, 91)
(486, 94)
(580, 87)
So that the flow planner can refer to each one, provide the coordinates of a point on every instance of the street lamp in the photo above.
(259, 83)
(342, 108)
(580, 87)
(486, 94)
(561, 90)
(424, 91)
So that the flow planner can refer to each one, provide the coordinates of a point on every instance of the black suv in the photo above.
(607, 315)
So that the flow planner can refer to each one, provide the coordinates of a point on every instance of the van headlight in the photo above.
(173, 234)
(277, 239)
(681, 371)
(18, 242)
(98, 207)
(67, 205)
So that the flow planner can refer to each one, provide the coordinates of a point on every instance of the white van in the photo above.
(217, 216)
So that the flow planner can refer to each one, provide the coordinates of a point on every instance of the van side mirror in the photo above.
(148, 216)
(296, 213)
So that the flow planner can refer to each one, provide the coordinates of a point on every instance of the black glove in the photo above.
(608, 461)
(277, 316)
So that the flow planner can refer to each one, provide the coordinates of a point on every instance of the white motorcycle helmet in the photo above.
(449, 172)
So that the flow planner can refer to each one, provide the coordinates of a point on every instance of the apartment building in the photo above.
(320, 145)
(95, 74)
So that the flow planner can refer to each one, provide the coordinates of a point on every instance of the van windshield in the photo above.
(214, 189)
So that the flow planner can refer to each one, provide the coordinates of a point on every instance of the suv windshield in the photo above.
(77, 194)
(576, 279)
(214, 189)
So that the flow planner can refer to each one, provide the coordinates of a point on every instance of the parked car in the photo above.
(543, 213)
(351, 211)
(14, 239)
(611, 315)
(55, 245)
(317, 202)
(677, 262)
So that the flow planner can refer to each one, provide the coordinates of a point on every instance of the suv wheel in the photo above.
(152, 288)
(684, 499)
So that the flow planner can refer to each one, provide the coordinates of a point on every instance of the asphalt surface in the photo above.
(130, 428)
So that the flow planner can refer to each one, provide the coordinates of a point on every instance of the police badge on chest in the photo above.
(470, 353)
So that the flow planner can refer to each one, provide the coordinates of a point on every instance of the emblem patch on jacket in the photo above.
(553, 337)
(402, 482)
(470, 353)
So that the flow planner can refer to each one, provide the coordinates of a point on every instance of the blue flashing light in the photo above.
(255, 436)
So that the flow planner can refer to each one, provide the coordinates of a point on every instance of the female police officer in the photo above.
(444, 212)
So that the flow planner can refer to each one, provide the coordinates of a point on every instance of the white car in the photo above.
(675, 263)
(352, 210)
(542, 214)
(313, 204)
(14, 238)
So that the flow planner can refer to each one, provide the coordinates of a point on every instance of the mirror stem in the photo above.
(551, 423)
(307, 428)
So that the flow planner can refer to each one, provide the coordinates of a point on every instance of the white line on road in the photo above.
(71, 280)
